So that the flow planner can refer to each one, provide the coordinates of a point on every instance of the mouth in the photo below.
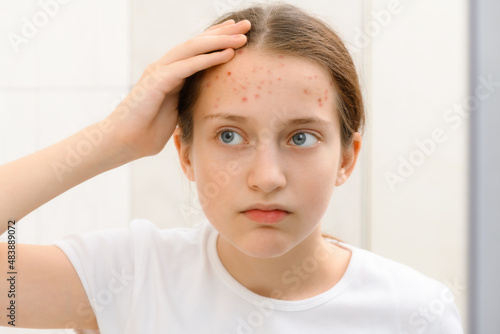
(266, 216)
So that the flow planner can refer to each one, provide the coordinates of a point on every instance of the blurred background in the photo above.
(67, 64)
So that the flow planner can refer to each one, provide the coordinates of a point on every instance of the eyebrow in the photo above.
(245, 120)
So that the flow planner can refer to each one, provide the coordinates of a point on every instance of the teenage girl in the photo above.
(268, 99)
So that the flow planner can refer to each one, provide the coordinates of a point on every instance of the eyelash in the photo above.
(236, 146)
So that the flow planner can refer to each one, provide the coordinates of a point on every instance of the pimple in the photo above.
(268, 71)
(307, 91)
(235, 90)
(315, 76)
(228, 73)
(208, 84)
(216, 77)
(262, 82)
(279, 79)
(239, 51)
(320, 102)
(217, 99)
(259, 87)
(282, 65)
(257, 96)
(216, 106)
(244, 99)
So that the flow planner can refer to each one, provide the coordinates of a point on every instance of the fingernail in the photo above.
(241, 22)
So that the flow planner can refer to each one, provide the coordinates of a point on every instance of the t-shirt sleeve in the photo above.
(451, 322)
(105, 263)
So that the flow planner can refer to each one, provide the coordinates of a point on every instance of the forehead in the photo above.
(254, 79)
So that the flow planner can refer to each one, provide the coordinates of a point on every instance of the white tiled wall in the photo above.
(419, 72)
(69, 74)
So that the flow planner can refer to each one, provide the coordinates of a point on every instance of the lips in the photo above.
(266, 216)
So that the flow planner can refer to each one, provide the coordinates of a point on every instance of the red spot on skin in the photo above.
(320, 102)
(279, 79)
(208, 84)
(235, 90)
(315, 76)
(282, 65)
(268, 71)
(216, 77)
(263, 82)
(228, 73)
(259, 87)
(217, 99)
(257, 96)
(216, 106)
(310, 78)
(281, 56)
(307, 91)
(243, 87)
(269, 92)
(244, 99)
(239, 51)
(326, 94)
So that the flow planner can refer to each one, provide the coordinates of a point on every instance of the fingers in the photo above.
(221, 37)
(167, 77)
(228, 29)
(198, 63)
(225, 23)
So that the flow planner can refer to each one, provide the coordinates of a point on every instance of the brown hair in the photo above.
(285, 29)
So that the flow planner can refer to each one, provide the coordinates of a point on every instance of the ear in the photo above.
(348, 160)
(184, 151)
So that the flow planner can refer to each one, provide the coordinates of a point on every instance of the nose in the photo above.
(265, 169)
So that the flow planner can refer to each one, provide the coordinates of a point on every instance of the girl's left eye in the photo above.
(304, 137)
(228, 136)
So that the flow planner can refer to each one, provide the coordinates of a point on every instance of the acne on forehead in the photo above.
(270, 74)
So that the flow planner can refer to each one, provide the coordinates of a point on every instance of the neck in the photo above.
(308, 269)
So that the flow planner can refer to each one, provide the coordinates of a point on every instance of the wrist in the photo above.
(102, 139)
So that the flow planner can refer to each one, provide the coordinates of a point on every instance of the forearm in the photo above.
(31, 181)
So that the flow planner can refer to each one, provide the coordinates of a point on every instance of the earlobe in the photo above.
(183, 150)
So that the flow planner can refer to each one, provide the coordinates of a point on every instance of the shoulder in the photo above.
(380, 269)
(400, 283)
(421, 303)
(170, 242)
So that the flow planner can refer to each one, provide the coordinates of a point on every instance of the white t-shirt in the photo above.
(145, 280)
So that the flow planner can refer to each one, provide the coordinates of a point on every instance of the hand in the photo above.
(146, 119)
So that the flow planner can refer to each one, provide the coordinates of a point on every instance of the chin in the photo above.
(265, 244)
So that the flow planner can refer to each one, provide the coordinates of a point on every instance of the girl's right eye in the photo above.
(228, 137)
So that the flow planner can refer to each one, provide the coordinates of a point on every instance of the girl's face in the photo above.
(265, 132)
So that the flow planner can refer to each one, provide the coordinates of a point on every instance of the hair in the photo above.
(282, 28)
